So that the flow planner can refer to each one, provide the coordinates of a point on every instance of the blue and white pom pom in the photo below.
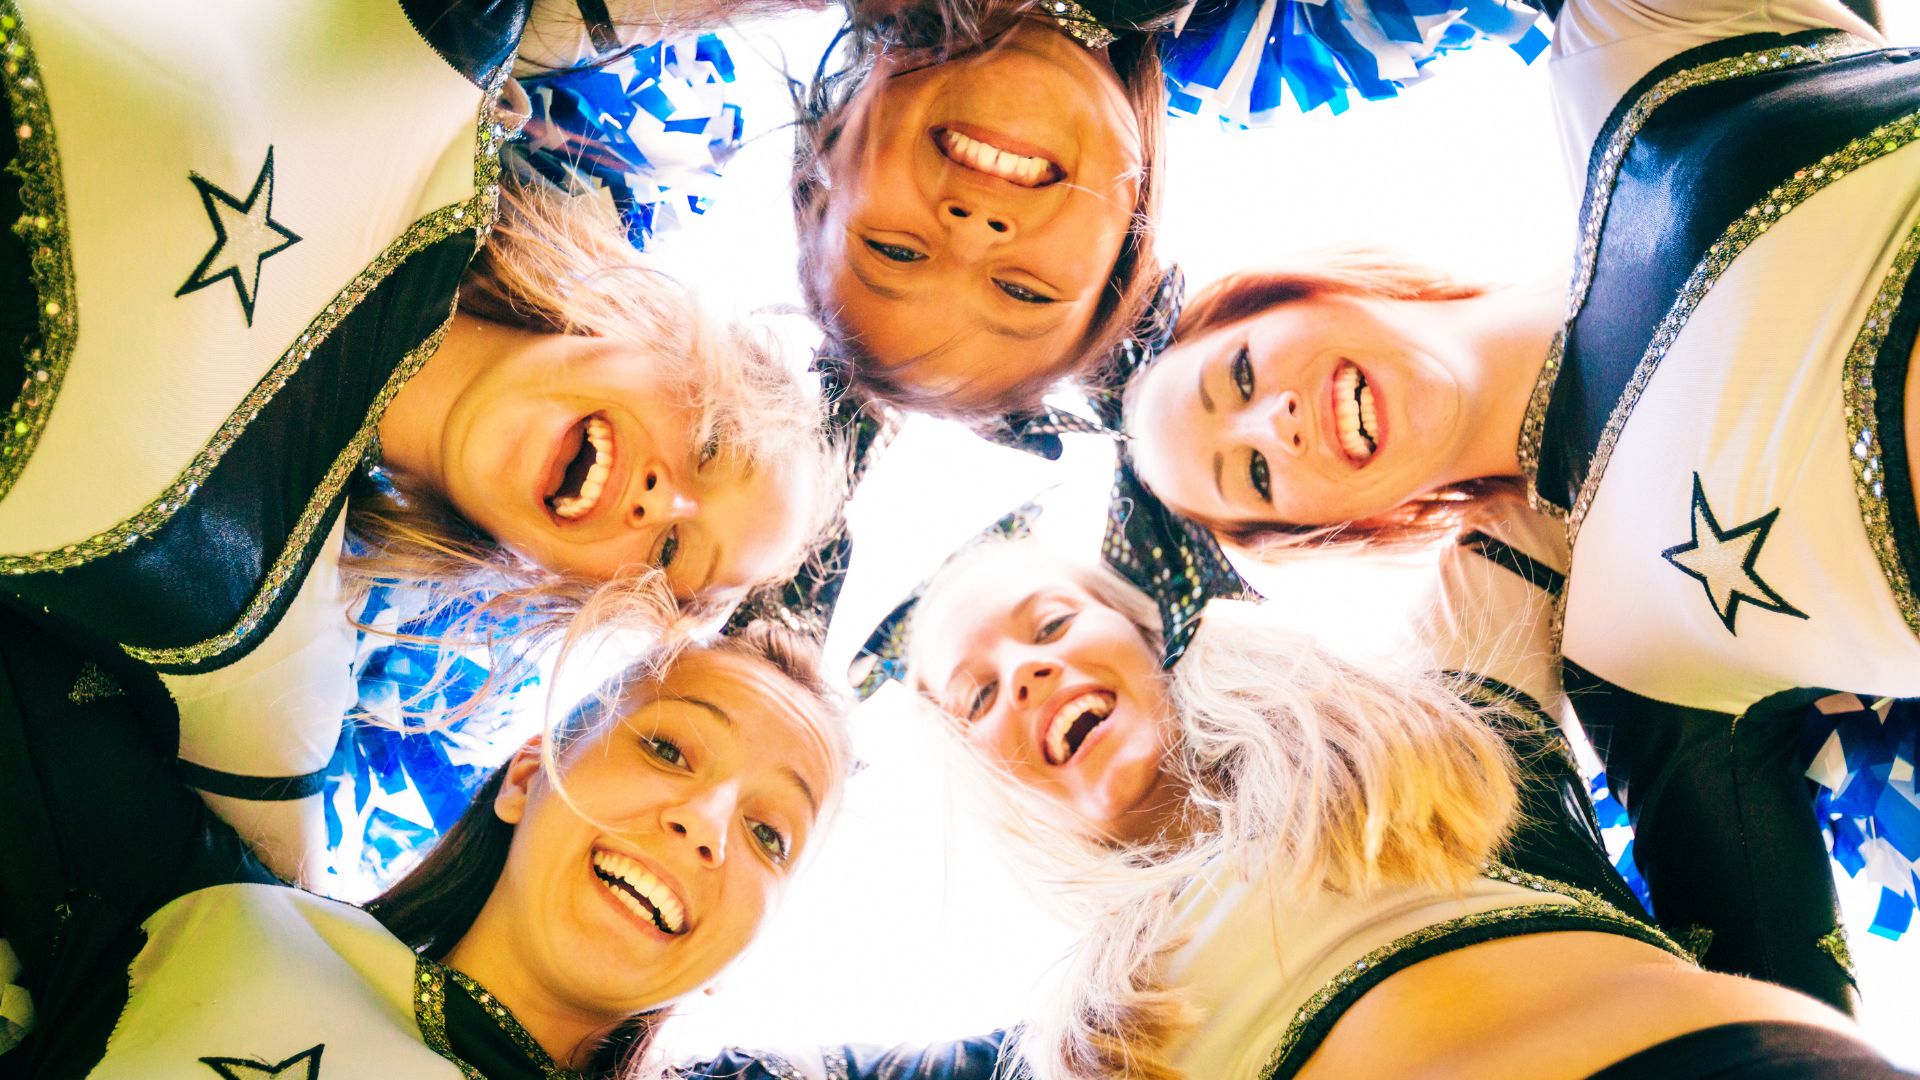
(1863, 769)
(650, 130)
(1232, 59)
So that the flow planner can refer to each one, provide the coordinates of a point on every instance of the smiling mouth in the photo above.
(981, 156)
(1073, 722)
(640, 892)
(1356, 422)
(582, 474)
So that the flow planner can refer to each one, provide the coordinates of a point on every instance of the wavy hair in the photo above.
(1295, 763)
(558, 264)
(935, 31)
(1360, 273)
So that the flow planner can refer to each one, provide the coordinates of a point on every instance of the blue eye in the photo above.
(1243, 374)
(1024, 295)
(894, 252)
(771, 840)
(666, 750)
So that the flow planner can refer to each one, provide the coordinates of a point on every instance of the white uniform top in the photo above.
(1725, 542)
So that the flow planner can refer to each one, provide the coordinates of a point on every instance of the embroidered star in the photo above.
(243, 1069)
(1722, 562)
(244, 236)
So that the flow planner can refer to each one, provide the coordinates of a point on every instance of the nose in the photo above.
(972, 229)
(1034, 680)
(661, 499)
(701, 821)
(1288, 424)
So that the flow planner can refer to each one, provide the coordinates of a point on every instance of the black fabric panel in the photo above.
(982, 1057)
(96, 834)
(478, 1040)
(194, 576)
(1500, 553)
(475, 36)
(256, 788)
(1697, 165)
(1768, 1050)
(1724, 828)
(1890, 417)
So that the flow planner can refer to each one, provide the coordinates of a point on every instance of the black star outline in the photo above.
(209, 191)
(1767, 599)
(256, 1070)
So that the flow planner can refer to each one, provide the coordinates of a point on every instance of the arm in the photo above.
(982, 1057)
(564, 34)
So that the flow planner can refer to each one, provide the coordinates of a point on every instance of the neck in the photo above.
(1507, 334)
(568, 1033)
(411, 430)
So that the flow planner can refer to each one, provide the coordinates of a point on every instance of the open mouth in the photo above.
(1356, 420)
(999, 162)
(1072, 722)
(640, 892)
(580, 475)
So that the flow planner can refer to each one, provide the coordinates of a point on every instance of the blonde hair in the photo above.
(561, 264)
(1295, 764)
(1360, 273)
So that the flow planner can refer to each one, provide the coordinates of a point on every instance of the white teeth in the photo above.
(992, 160)
(600, 438)
(1063, 720)
(1353, 413)
(672, 917)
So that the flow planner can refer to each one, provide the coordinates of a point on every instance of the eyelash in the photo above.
(709, 450)
(894, 252)
(776, 847)
(1242, 370)
(1259, 477)
(669, 548)
(660, 747)
(1021, 293)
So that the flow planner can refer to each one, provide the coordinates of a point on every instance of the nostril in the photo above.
(678, 829)
(956, 211)
(1298, 442)
(652, 479)
(997, 226)
(1293, 407)
(1041, 673)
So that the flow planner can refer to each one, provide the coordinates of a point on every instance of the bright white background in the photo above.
(904, 926)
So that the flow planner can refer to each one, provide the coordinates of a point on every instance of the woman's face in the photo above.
(687, 818)
(976, 208)
(572, 451)
(1314, 412)
(1056, 687)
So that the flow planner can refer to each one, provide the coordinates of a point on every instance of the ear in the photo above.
(523, 769)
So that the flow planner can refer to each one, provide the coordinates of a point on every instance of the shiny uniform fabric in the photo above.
(1719, 431)
(225, 300)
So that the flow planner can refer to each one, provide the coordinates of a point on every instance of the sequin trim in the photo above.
(1863, 439)
(42, 226)
(93, 685)
(1584, 903)
(476, 212)
(1079, 23)
(778, 1067)
(1779, 202)
(430, 1013)
(1834, 944)
(293, 555)
(836, 1064)
(1606, 173)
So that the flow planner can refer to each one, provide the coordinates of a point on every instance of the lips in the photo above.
(999, 157)
(1071, 721)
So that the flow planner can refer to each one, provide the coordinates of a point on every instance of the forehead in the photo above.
(769, 722)
(975, 604)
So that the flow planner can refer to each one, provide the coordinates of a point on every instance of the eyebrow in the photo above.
(805, 788)
(1206, 402)
(713, 566)
(1026, 335)
(872, 285)
(1219, 461)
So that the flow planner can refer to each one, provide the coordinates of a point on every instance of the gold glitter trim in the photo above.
(1834, 944)
(430, 1013)
(1533, 425)
(1585, 903)
(42, 227)
(93, 685)
(1747, 228)
(1697, 940)
(1863, 440)
(1079, 23)
(293, 554)
(476, 212)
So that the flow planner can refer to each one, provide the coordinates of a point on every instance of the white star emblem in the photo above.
(304, 1065)
(244, 236)
(1722, 562)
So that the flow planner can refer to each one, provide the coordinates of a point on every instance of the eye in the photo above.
(1257, 476)
(1242, 370)
(770, 839)
(1024, 295)
(982, 698)
(669, 548)
(894, 252)
(1053, 628)
(666, 750)
(709, 450)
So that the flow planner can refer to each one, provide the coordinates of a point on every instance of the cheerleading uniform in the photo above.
(1720, 427)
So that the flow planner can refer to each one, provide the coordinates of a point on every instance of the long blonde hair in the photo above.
(561, 264)
(1295, 764)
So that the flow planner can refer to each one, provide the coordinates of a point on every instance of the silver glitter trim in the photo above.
(1078, 23)
(1865, 452)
